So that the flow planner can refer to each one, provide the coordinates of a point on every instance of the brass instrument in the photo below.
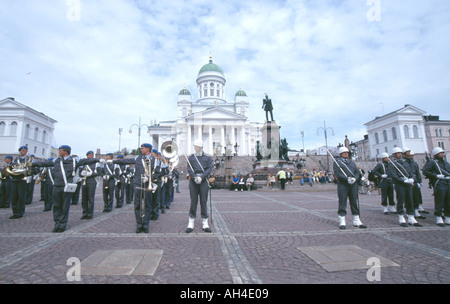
(84, 178)
(170, 153)
(20, 169)
(4, 174)
(42, 176)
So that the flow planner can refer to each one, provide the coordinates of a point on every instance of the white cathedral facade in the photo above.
(224, 126)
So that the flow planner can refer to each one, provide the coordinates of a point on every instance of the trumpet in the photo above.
(42, 176)
(85, 170)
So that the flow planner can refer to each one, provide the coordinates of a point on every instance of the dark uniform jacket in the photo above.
(381, 169)
(139, 162)
(404, 168)
(435, 167)
(202, 167)
(348, 166)
(68, 164)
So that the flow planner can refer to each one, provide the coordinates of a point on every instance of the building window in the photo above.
(212, 92)
(13, 130)
(385, 136)
(27, 131)
(36, 133)
(406, 131)
(44, 137)
(441, 144)
(378, 152)
(43, 152)
(218, 93)
(394, 133)
(2, 128)
(415, 132)
(377, 140)
(184, 112)
(205, 93)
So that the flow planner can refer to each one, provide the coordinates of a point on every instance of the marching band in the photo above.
(149, 180)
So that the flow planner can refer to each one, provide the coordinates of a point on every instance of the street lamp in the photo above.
(236, 148)
(325, 129)
(353, 148)
(302, 133)
(139, 126)
(120, 134)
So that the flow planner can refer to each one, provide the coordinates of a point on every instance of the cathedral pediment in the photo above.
(11, 103)
(216, 113)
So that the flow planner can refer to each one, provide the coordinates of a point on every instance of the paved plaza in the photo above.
(258, 237)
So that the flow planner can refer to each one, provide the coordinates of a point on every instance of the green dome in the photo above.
(210, 67)
(184, 92)
(241, 93)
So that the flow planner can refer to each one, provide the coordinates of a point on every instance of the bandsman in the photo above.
(438, 171)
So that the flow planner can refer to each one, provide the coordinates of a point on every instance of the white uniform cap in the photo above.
(397, 150)
(406, 150)
(437, 150)
(198, 143)
(342, 150)
(384, 155)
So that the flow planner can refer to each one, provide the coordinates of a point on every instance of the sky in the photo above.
(99, 65)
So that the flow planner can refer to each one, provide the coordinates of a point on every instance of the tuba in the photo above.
(170, 152)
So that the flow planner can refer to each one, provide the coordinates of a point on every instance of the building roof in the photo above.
(210, 67)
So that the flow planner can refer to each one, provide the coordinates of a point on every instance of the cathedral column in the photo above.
(243, 145)
(222, 136)
(189, 136)
(199, 133)
(233, 139)
(210, 143)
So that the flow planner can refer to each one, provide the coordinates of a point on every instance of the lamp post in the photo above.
(120, 135)
(325, 130)
(236, 149)
(302, 133)
(139, 126)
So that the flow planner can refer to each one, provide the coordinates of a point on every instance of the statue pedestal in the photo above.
(270, 145)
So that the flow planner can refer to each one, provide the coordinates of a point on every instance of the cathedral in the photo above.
(223, 125)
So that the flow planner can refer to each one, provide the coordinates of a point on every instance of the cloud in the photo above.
(318, 61)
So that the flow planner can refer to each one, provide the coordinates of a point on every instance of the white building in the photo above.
(402, 128)
(23, 126)
(218, 122)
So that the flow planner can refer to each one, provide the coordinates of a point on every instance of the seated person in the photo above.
(235, 183)
(249, 183)
(241, 184)
(305, 176)
(270, 181)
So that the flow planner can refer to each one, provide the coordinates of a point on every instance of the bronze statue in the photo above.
(267, 106)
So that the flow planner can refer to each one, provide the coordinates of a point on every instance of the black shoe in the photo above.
(441, 225)
(424, 212)
(360, 226)
(208, 230)
(83, 217)
(416, 225)
(404, 225)
(138, 230)
(342, 227)
(13, 217)
(167, 207)
(189, 230)
(46, 210)
(420, 217)
(144, 230)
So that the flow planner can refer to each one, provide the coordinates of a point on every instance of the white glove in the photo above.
(83, 173)
(411, 181)
(441, 176)
(408, 181)
(447, 177)
(198, 180)
(109, 161)
(384, 176)
(351, 180)
(144, 179)
(102, 161)
(419, 185)
(89, 174)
